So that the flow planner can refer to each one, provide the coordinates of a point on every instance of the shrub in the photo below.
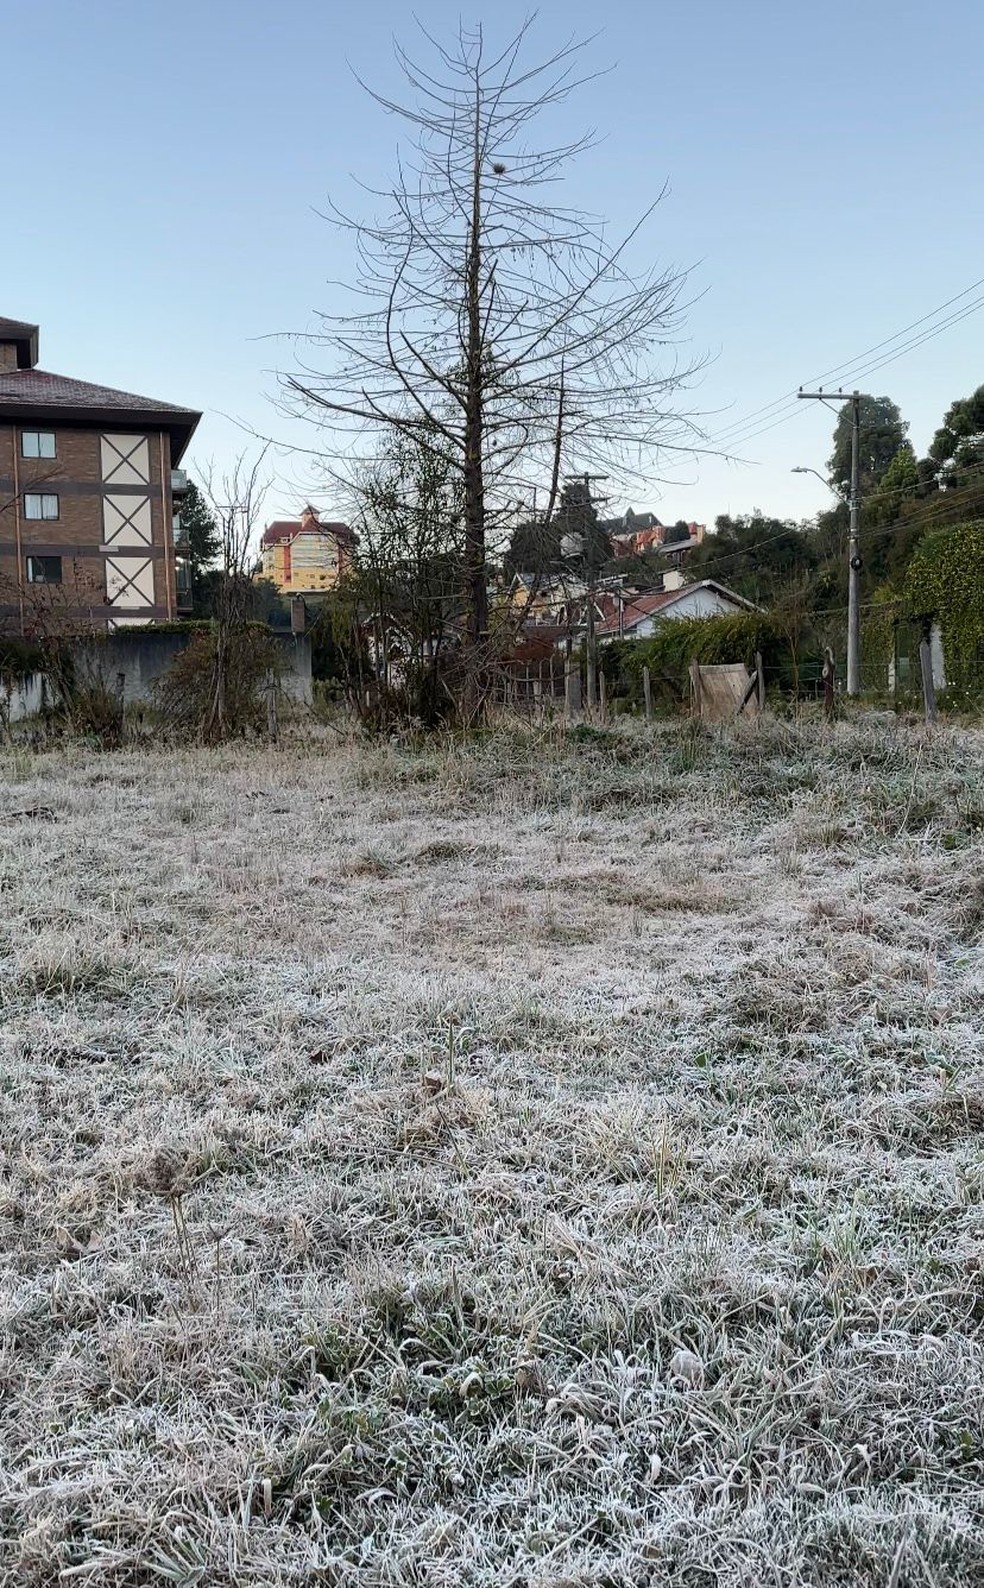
(216, 688)
(18, 659)
(84, 703)
(945, 581)
(732, 638)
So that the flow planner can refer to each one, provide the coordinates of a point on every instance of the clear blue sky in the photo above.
(165, 163)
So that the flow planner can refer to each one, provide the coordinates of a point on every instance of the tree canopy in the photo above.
(201, 532)
(958, 445)
(753, 555)
(882, 432)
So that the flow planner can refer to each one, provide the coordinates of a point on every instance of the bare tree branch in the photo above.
(487, 315)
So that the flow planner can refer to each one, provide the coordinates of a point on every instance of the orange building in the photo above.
(305, 556)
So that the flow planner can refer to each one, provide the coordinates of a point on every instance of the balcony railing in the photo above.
(182, 581)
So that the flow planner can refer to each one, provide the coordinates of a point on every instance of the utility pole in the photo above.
(853, 543)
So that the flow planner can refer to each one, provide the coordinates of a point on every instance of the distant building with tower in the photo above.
(305, 556)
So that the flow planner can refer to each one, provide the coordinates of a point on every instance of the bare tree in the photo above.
(488, 318)
(236, 501)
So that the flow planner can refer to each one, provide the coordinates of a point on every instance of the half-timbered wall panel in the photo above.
(125, 460)
(127, 520)
(130, 581)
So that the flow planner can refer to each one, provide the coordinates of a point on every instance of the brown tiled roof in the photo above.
(535, 643)
(39, 386)
(286, 528)
(642, 606)
(280, 529)
(26, 393)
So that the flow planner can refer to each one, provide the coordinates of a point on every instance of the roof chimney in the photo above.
(18, 344)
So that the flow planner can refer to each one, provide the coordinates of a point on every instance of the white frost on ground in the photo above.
(521, 1164)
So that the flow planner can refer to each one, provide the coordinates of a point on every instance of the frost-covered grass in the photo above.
(521, 1164)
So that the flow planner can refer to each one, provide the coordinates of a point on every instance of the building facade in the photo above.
(304, 556)
(637, 617)
(638, 533)
(86, 507)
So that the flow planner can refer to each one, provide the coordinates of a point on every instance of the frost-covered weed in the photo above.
(529, 1161)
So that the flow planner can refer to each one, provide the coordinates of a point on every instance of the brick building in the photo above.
(86, 509)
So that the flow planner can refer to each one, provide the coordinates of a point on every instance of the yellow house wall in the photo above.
(316, 573)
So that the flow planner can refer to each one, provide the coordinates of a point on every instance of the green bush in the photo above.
(19, 658)
(790, 657)
(945, 582)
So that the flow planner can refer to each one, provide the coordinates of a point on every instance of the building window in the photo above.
(44, 570)
(40, 505)
(37, 443)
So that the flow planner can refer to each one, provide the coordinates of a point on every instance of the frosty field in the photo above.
(523, 1164)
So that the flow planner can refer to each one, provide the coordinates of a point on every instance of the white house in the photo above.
(636, 617)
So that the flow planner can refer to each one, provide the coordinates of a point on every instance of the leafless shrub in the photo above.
(244, 664)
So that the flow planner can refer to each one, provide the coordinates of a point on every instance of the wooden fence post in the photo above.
(647, 693)
(602, 696)
(895, 662)
(760, 675)
(828, 683)
(695, 687)
(572, 691)
(272, 723)
(929, 688)
(592, 680)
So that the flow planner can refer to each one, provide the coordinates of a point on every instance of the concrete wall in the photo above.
(295, 681)
(143, 655)
(23, 698)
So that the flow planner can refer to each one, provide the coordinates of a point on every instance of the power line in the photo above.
(862, 373)
(915, 520)
(842, 370)
(859, 374)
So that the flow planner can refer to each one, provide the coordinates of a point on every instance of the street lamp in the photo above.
(840, 491)
(801, 469)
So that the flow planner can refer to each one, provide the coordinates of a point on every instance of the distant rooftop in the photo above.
(285, 529)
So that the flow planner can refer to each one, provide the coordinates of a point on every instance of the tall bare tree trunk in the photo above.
(474, 485)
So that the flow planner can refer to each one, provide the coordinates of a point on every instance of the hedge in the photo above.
(945, 581)
(18, 658)
(732, 638)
